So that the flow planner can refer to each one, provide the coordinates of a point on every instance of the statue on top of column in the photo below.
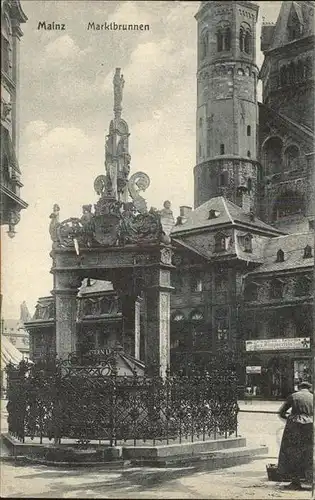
(118, 82)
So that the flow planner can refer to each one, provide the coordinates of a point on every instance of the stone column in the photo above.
(65, 291)
(137, 328)
(157, 339)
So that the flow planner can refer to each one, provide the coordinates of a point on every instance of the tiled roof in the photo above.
(96, 286)
(293, 247)
(227, 213)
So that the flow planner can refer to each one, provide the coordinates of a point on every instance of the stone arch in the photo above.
(272, 154)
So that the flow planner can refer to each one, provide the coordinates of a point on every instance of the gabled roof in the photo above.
(293, 247)
(288, 9)
(228, 214)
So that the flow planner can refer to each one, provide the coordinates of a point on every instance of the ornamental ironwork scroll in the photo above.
(86, 398)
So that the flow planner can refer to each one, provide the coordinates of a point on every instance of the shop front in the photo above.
(274, 367)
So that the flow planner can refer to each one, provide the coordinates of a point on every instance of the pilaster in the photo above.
(65, 292)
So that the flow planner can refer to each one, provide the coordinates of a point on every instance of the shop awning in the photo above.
(9, 353)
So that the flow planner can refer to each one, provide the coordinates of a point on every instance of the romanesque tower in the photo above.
(226, 162)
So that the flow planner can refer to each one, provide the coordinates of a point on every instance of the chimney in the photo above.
(184, 213)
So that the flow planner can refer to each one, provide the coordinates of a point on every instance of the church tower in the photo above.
(227, 116)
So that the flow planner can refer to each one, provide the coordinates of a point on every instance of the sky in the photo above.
(66, 102)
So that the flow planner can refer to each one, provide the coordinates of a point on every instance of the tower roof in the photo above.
(292, 10)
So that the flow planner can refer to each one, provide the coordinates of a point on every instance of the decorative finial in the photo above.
(118, 82)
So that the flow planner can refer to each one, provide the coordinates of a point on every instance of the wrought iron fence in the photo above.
(76, 399)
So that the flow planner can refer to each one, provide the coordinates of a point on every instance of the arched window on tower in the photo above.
(223, 34)
(204, 45)
(248, 131)
(245, 38)
(6, 45)
(249, 185)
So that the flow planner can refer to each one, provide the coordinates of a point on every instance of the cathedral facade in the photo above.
(244, 255)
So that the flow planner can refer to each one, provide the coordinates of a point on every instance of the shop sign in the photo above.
(278, 344)
(253, 369)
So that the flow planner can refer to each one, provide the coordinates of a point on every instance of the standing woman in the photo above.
(296, 451)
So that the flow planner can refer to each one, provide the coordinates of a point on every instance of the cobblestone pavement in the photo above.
(240, 482)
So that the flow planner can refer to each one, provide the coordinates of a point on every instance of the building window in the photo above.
(303, 286)
(222, 324)
(291, 156)
(204, 45)
(249, 185)
(6, 45)
(280, 256)
(196, 282)
(223, 178)
(220, 243)
(245, 39)
(248, 154)
(251, 292)
(276, 289)
(248, 131)
(222, 149)
(307, 252)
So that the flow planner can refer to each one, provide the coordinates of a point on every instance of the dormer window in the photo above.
(220, 242)
(213, 214)
(307, 252)
(280, 256)
(248, 243)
